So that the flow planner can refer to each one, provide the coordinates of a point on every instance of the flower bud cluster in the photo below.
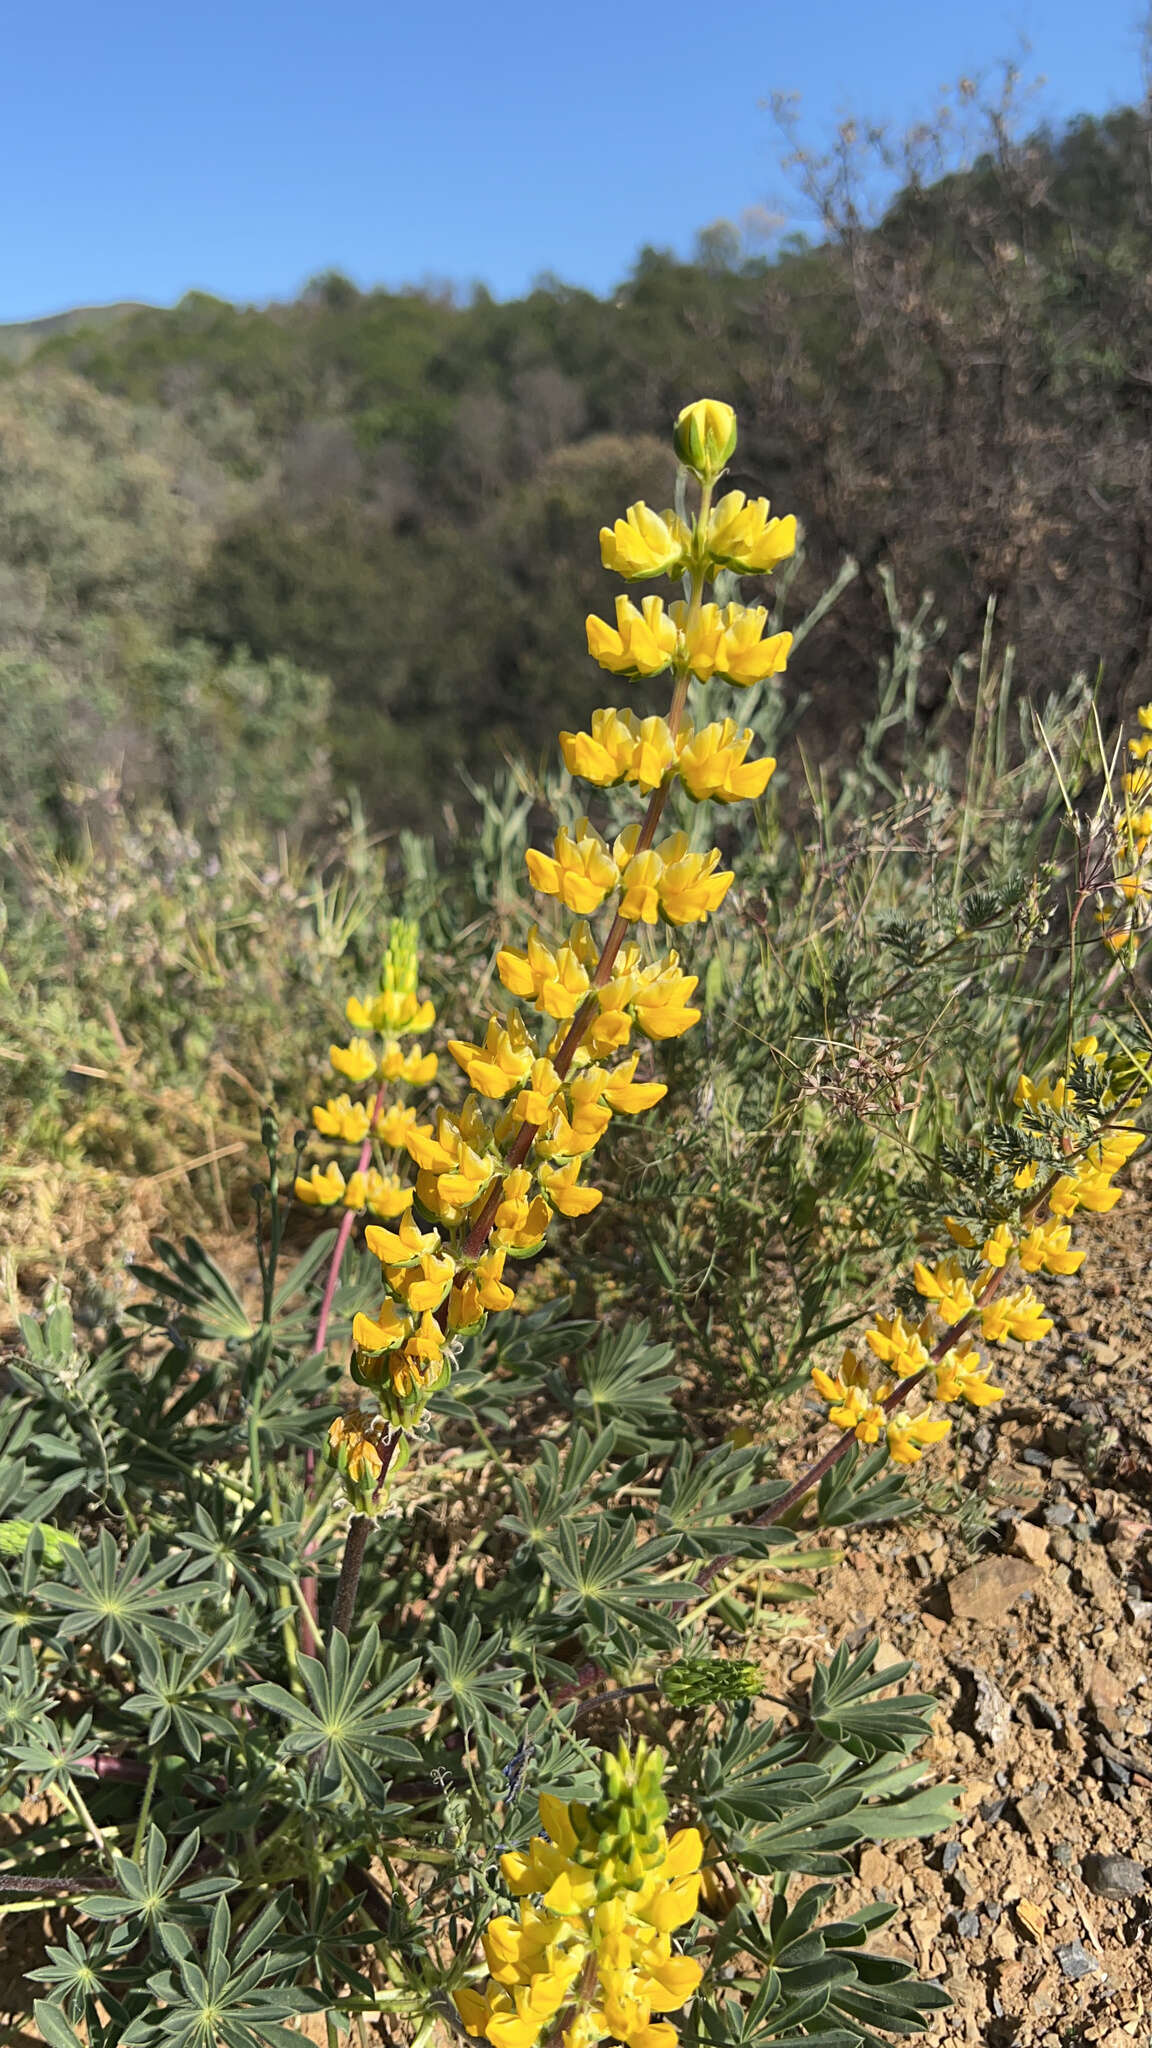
(593, 1959)
(968, 1291)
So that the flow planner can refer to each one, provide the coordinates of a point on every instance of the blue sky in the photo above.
(239, 146)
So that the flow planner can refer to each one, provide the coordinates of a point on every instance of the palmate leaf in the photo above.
(844, 1713)
(699, 1497)
(858, 1491)
(607, 1582)
(169, 1694)
(470, 1678)
(625, 1380)
(215, 1999)
(123, 1602)
(201, 1299)
(561, 1487)
(346, 1729)
(152, 1897)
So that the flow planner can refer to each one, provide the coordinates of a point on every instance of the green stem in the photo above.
(145, 1805)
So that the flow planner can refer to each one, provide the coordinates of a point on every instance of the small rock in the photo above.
(1138, 1610)
(1030, 1542)
(967, 1925)
(1031, 1918)
(1041, 1710)
(1032, 1456)
(1104, 1689)
(1075, 1961)
(1114, 1877)
(1031, 1811)
(1059, 1514)
(873, 1868)
(951, 1856)
(993, 1716)
(986, 1590)
(1062, 1547)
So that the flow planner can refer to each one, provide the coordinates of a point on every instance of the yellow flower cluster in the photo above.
(967, 1295)
(593, 1960)
(725, 643)
(394, 1012)
(1128, 914)
(547, 1078)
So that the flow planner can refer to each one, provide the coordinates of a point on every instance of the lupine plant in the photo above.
(470, 1725)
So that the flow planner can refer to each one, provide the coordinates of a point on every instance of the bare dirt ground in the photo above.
(1030, 1618)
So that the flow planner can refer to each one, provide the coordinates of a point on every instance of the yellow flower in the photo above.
(556, 983)
(604, 755)
(998, 1247)
(631, 1097)
(667, 881)
(612, 1892)
(960, 1377)
(383, 1193)
(560, 1187)
(945, 1287)
(323, 1186)
(1045, 1250)
(394, 1122)
(581, 874)
(457, 1162)
(645, 543)
(522, 1219)
(1018, 1315)
(854, 1404)
(502, 1062)
(1094, 1191)
(357, 1061)
(744, 656)
(909, 1435)
(711, 764)
(699, 638)
(901, 1349)
(401, 1247)
(417, 1068)
(422, 1285)
(642, 644)
(661, 1003)
(742, 537)
(342, 1118)
(383, 1332)
(534, 1103)
(705, 436)
(690, 888)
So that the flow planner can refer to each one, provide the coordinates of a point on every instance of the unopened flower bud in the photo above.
(705, 436)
